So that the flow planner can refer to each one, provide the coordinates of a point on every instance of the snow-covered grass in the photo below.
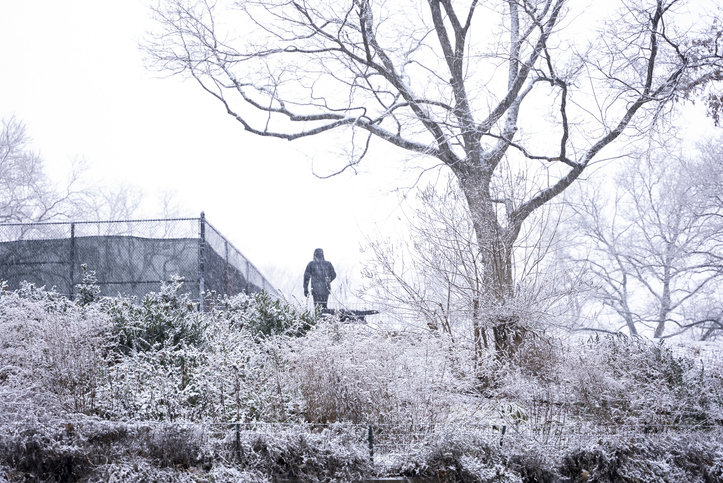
(153, 390)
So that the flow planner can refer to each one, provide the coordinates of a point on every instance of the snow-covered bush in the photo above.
(347, 372)
(93, 450)
(88, 291)
(686, 458)
(637, 382)
(53, 353)
(265, 316)
(332, 453)
(226, 371)
(102, 388)
(232, 378)
(611, 381)
(175, 363)
(142, 470)
(165, 319)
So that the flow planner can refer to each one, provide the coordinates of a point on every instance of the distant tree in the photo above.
(655, 249)
(711, 179)
(26, 193)
(707, 316)
(490, 90)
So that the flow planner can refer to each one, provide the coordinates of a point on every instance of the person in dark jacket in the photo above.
(320, 273)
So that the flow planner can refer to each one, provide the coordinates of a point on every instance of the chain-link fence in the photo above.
(129, 257)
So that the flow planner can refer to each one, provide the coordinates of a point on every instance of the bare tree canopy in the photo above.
(654, 248)
(26, 193)
(512, 96)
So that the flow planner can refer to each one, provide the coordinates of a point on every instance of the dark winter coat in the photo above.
(320, 273)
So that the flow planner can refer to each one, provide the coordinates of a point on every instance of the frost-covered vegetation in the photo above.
(103, 389)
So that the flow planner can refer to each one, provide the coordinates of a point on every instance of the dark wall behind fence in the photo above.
(128, 257)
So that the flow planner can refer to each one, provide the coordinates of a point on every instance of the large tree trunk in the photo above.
(665, 301)
(495, 309)
(501, 314)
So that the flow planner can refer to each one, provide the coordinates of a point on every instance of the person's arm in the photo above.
(307, 277)
(332, 273)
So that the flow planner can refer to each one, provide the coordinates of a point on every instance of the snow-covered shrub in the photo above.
(164, 319)
(457, 454)
(683, 457)
(358, 374)
(264, 316)
(53, 352)
(611, 381)
(226, 371)
(93, 450)
(335, 453)
(45, 452)
(141, 470)
(88, 291)
(230, 379)
(111, 451)
(170, 383)
(637, 382)
(539, 358)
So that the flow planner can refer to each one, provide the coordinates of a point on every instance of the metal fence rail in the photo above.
(129, 257)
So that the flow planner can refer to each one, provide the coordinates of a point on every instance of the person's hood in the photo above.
(318, 255)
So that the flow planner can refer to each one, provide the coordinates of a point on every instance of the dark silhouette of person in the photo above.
(320, 273)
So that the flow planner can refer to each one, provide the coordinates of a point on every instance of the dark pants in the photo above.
(320, 299)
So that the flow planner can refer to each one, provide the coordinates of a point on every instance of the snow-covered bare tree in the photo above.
(26, 193)
(655, 250)
(482, 87)
(433, 274)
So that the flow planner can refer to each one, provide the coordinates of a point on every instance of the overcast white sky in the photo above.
(73, 72)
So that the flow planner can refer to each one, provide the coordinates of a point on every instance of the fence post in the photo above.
(72, 260)
(227, 272)
(370, 440)
(201, 259)
(238, 442)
